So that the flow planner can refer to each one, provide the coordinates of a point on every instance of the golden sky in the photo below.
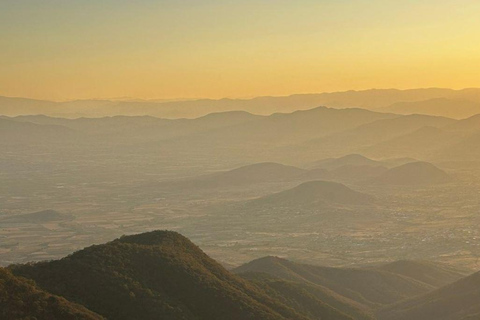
(80, 49)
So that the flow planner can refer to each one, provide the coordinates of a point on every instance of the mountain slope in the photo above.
(152, 275)
(14, 132)
(21, 299)
(313, 193)
(355, 140)
(309, 297)
(348, 160)
(37, 217)
(372, 288)
(420, 143)
(432, 273)
(457, 301)
(414, 173)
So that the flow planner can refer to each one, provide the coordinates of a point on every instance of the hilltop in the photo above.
(313, 193)
(414, 173)
(348, 160)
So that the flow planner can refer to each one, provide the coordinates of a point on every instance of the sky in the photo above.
(85, 49)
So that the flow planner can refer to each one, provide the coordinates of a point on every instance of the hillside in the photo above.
(37, 217)
(414, 173)
(313, 193)
(348, 160)
(251, 174)
(356, 173)
(152, 275)
(13, 132)
(242, 177)
(457, 301)
(471, 124)
(432, 273)
(311, 291)
(465, 150)
(21, 299)
(313, 300)
(356, 139)
(284, 128)
(369, 287)
(421, 143)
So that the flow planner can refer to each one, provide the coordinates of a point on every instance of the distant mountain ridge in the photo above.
(368, 99)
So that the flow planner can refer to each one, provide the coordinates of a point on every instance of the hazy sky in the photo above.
(67, 49)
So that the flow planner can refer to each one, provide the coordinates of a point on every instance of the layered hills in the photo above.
(456, 301)
(369, 287)
(434, 101)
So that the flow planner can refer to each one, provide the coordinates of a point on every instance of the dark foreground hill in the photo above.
(457, 301)
(415, 173)
(158, 275)
(21, 299)
(315, 193)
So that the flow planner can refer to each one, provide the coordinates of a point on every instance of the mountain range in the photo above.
(434, 101)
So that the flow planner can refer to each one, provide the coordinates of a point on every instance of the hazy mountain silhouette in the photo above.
(348, 160)
(457, 301)
(471, 124)
(464, 150)
(355, 140)
(21, 299)
(245, 176)
(414, 173)
(283, 128)
(352, 173)
(457, 109)
(421, 143)
(315, 193)
(255, 173)
(369, 99)
(15, 132)
(37, 217)
(144, 127)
